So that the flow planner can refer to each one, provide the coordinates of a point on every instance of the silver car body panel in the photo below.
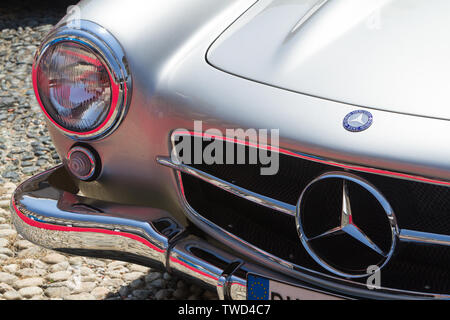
(383, 54)
(175, 85)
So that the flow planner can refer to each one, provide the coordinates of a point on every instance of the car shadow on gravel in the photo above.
(30, 13)
(133, 280)
(160, 286)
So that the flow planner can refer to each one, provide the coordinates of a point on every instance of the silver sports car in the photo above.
(267, 149)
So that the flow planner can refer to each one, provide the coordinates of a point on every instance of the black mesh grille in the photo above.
(417, 206)
(247, 220)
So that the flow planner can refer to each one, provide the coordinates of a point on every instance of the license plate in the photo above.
(261, 288)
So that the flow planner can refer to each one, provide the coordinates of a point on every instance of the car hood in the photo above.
(384, 54)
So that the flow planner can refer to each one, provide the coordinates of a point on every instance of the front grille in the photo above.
(292, 177)
(417, 206)
(246, 220)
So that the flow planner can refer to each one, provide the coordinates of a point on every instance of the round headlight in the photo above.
(74, 87)
(81, 81)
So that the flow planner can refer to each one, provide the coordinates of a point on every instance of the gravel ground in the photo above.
(26, 270)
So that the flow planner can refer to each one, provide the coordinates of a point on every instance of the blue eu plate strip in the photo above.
(257, 288)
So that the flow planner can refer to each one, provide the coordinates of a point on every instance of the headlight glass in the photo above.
(74, 87)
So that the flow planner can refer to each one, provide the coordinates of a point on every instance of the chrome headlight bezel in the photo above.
(112, 55)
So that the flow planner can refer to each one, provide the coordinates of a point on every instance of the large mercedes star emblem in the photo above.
(346, 225)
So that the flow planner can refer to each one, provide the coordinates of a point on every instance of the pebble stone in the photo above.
(80, 296)
(132, 276)
(61, 266)
(58, 276)
(57, 292)
(11, 268)
(3, 242)
(28, 271)
(54, 258)
(4, 288)
(6, 252)
(12, 295)
(7, 278)
(28, 282)
(4, 233)
(100, 292)
(30, 292)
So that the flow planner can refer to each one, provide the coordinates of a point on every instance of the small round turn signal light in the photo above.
(81, 162)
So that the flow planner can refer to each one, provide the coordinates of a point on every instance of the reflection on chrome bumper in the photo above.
(63, 220)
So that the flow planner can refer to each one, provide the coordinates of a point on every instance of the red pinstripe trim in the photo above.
(301, 156)
(193, 269)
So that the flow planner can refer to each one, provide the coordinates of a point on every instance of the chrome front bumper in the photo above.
(50, 212)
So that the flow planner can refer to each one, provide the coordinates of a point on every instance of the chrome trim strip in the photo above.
(183, 261)
(221, 287)
(233, 285)
(424, 237)
(224, 185)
